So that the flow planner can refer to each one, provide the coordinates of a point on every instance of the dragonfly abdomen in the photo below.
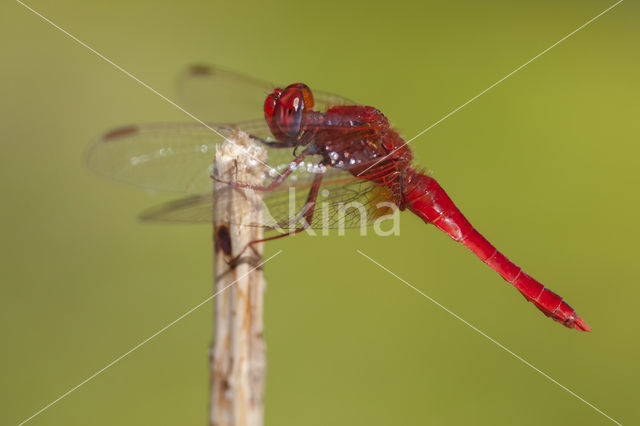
(426, 198)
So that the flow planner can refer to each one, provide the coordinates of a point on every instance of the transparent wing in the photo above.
(213, 93)
(171, 157)
(343, 202)
(178, 157)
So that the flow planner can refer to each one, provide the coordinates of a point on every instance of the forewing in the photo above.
(171, 157)
(178, 157)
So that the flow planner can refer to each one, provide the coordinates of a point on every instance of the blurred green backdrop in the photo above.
(545, 165)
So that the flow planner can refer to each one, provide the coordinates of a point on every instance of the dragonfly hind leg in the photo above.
(305, 215)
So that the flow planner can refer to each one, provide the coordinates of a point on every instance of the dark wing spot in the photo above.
(120, 133)
(201, 70)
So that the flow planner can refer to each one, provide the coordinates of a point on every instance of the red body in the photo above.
(359, 139)
(363, 157)
(426, 198)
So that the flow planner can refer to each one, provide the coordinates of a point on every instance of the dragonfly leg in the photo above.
(305, 214)
(274, 144)
(275, 183)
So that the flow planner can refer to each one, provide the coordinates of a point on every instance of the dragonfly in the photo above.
(317, 143)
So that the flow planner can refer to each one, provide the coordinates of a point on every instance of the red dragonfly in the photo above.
(314, 140)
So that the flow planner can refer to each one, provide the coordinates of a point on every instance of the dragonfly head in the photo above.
(284, 110)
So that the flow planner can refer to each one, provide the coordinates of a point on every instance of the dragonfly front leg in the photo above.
(275, 183)
(274, 144)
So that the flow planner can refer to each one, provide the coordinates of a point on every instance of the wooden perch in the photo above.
(238, 358)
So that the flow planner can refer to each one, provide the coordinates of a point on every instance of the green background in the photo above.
(545, 165)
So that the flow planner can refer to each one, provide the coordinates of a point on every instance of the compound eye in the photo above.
(270, 106)
(290, 108)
